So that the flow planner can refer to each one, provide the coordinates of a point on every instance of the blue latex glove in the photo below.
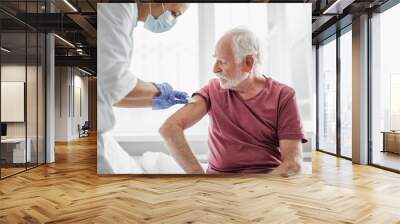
(168, 97)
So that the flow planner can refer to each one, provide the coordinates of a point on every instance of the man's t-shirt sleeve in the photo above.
(205, 94)
(289, 119)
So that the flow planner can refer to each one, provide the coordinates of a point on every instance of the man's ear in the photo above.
(249, 63)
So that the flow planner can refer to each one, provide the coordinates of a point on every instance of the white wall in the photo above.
(61, 103)
(33, 126)
(12, 73)
(80, 82)
(69, 82)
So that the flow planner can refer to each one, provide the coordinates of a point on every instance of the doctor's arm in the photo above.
(140, 96)
(172, 132)
(291, 151)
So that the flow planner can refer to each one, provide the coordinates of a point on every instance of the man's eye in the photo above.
(221, 62)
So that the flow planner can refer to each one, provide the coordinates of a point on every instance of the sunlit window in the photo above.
(385, 88)
(346, 94)
(250, 16)
(327, 97)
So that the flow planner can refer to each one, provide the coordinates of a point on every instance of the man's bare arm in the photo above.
(172, 132)
(291, 151)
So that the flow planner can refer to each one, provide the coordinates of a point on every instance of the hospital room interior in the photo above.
(340, 58)
(187, 64)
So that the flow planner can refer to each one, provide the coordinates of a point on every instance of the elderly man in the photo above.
(255, 125)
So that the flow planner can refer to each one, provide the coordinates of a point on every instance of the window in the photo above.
(228, 16)
(385, 87)
(327, 97)
(22, 70)
(346, 94)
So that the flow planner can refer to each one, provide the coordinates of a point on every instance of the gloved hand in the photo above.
(168, 97)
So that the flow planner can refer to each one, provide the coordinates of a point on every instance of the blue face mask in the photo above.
(163, 23)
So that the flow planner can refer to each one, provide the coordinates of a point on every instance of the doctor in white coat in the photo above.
(117, 85)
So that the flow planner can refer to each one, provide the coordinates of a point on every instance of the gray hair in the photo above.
(245, 42)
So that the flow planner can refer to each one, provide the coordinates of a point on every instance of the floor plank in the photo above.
(387, 159)
(70, 191)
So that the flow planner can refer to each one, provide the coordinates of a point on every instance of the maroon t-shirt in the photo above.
(244, 134)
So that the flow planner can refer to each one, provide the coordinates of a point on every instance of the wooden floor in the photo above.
(70, 191)
(10, 171)
(387, 159)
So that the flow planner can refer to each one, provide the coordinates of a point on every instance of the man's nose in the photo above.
(216, 68)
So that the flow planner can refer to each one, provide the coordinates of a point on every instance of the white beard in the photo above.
(231, 83)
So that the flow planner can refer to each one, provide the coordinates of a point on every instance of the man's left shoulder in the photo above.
(282, 88)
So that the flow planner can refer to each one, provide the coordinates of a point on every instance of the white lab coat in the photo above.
(115, 25)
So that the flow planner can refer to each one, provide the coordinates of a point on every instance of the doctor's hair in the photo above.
(245, 42)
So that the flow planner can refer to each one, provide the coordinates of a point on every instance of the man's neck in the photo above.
(250, 86)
